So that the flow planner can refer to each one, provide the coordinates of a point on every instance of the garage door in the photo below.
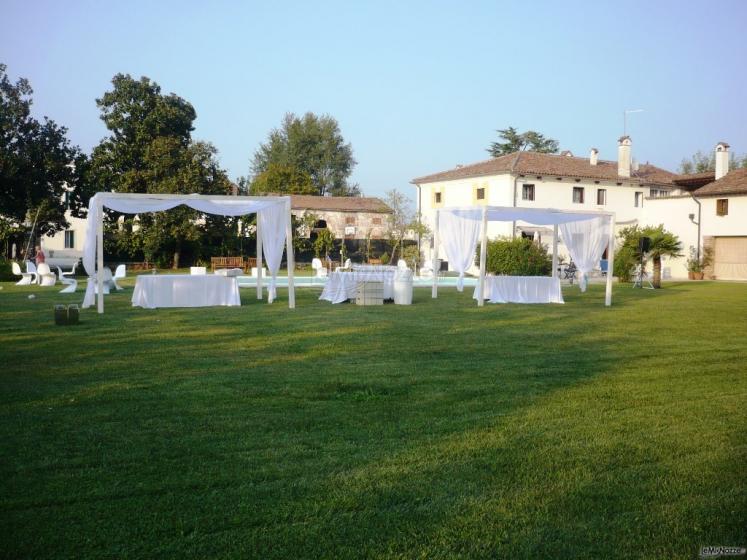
(730, 258)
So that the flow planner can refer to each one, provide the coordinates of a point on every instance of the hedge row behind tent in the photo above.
(273, 229)
(585, 234)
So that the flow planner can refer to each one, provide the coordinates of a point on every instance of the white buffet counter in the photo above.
(522, 289)
(341, 286)
(184, 290)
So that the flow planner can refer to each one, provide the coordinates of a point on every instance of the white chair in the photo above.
(46, 276)
(120, 272)
(108, 281)
(71, 283)
(348, 265)
(31, 268)
(402, 264)
(198, 270)
(319, 268)
(27, 278)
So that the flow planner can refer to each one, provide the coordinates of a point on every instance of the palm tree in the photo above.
(663, 244)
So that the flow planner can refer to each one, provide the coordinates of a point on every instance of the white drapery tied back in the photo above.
(459, 235)
(586, 242)
(271, 212)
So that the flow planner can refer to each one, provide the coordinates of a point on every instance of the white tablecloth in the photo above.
(184, 290)
(522, 289)
(341, 286)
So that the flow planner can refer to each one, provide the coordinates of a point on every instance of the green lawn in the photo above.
(432, 431)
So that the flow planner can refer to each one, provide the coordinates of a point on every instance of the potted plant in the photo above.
(696, 266)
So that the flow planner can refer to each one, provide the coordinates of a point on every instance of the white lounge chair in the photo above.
(65, 278)
(27, 278)
(198, 270)
(46, 276)
(319, 269)
(120, 272)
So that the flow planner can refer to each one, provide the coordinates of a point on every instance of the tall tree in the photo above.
(700, 162)
(514, 141)
(313, 145)
(150, 150)
(40, 170)
(283, 178)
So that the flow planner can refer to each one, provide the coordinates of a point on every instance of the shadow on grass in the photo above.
(433, 430)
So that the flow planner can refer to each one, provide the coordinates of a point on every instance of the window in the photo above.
(480, 194)
(437, 198)
(69, 239)
(578, 195)
(601, 197)
(722, 207)
(67, 200)
(376, 221)
(659, 193)
(638, 199)
(349, 220)
(527, 192)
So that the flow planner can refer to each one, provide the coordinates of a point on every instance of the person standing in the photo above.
(40, 258)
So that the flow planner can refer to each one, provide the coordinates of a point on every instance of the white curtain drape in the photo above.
(459, 235)
(272, 227)
(586, 241)
(239, 206)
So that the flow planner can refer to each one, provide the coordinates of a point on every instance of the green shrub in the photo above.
(516, 257)
(6, 272)
(385, 258)
(626, 260)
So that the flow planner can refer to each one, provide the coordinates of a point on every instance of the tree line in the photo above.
(150, 149)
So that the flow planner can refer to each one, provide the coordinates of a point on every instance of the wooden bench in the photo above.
(374, 261)
(217, 263)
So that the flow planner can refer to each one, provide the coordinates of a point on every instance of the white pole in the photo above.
(100, 256)
(259, 258)
(483, 258)
(434, 289)
(610, 262)
(554, 251)
(290, 260)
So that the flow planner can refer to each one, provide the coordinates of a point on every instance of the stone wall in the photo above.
(352, 225)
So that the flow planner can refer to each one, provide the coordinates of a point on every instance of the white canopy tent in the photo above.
(585, 234)
(273, 229)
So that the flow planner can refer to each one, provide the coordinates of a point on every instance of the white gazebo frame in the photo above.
(526, 211)
(155, 196)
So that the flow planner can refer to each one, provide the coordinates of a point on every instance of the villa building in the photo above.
(637, 194)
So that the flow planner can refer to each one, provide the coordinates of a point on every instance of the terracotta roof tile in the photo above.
(339, 203)
(734, 182)
(525, 163)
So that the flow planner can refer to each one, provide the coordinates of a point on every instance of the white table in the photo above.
(184, 290)
(522, 289)
(341, 286)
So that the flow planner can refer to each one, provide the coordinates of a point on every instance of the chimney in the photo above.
(593, 156)
(722, 159)
(623, 156)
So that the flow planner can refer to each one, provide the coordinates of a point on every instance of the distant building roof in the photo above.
(339, 203)
(734, 182)
(526, 163)
(694, 180)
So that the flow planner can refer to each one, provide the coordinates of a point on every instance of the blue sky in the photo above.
(417, 87)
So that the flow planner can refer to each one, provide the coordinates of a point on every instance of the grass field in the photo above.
(438, 430)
